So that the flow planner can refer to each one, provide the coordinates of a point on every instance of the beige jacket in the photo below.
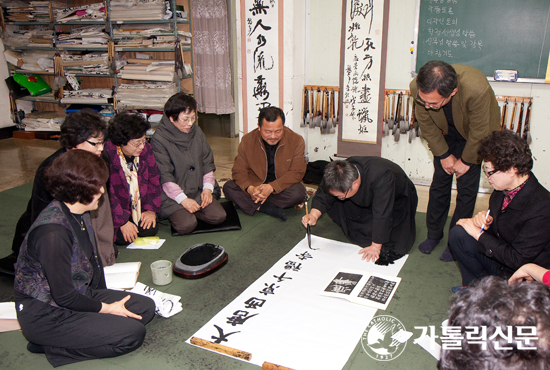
(250, 166)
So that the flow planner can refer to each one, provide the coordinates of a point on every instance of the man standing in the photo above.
(373, 201)
(456, 108)
(269, 166)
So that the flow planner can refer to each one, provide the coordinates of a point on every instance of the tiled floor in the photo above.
(19, 158)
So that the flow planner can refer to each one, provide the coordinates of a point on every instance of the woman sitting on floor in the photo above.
(514, 232)
(134, 188)
(84, 130)
(186, 166)
(63, 306)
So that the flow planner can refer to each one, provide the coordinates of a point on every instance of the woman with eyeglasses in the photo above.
(515, 231)
(134, 187)
(83, 129)
(63, 306)
(186, 166)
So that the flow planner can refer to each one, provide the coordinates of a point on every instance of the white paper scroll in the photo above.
(282, 319)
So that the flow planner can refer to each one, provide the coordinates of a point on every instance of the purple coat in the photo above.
(119, 194)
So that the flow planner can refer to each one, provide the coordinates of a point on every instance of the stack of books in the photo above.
(91, 12)
(151, 95)
(38, 37)
(140, 35)
(88, 36)
(128, 10)
(91, 63)
(36, 11)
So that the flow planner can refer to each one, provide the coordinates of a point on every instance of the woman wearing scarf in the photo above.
(134, 187)
(515, 231)
(186, 166)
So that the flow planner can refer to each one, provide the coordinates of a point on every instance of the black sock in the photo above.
(428, 245)
(447, 256)
(272, 210)
(35, 348)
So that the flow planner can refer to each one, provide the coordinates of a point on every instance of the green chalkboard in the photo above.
(486, 34)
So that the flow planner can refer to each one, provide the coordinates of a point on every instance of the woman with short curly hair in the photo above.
(514, 232)
(63, 305)
(134, 186)
(83, 129)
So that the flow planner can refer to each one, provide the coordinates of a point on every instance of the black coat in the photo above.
(521, 233)
(40, 199)
(382, 210)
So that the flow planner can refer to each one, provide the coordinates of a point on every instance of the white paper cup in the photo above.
(161, 272)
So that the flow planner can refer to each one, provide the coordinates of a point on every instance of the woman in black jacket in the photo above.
(515, 230)
(63, 305)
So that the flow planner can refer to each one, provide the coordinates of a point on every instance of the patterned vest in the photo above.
(29, 277)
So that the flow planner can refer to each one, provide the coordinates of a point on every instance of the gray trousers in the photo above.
(185, 222)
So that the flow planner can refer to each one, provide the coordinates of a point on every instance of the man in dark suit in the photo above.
(373, 201)
(455, 108)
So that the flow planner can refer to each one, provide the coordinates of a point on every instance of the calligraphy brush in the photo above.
(308, 228)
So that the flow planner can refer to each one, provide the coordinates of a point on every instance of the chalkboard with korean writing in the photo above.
(488, 34)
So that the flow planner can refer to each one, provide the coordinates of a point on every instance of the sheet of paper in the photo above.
(147, 246)
(282, 319)
(7, 310)
(429, 345)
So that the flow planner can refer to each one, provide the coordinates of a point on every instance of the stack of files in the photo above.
(40, 37)
(127, 10)
(20, 13)
(91, 12)
(41, 11)
(144, 95)
(43, 121)
(15, 38)
(33, 11)
(144, 36)
(87, 96)
(91, 63)
(39, 61)
(156, 71)
(88, 36)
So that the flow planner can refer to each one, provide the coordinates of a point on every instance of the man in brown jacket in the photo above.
(268, 168)
(456, 108)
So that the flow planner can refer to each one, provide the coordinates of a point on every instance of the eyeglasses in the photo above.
(343, 197)
(100, 143)
(488, 173)
(138, 144)
(187, 119)
(429, 105)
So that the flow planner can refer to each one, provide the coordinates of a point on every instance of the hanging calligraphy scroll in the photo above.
(261, 57)
(362, 76)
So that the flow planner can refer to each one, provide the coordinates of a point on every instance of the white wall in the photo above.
(5, 115)
(323, 47)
